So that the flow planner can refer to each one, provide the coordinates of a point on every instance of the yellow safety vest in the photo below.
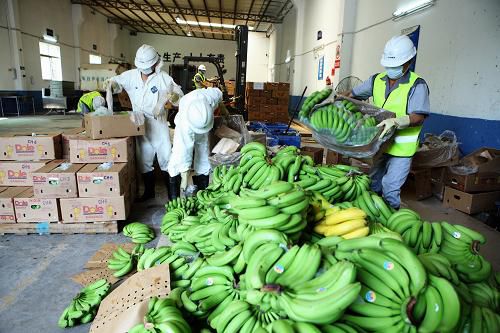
(87, 100)
(196, 84)
(405, 140)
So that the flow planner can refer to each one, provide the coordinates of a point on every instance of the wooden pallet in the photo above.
(44, 228)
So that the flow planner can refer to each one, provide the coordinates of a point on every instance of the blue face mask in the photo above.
(394, 73)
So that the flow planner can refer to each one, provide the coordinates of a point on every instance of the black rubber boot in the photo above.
(201, 182)
(149, 186)
(174, 187)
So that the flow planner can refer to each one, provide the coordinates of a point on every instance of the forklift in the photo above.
(236, 104)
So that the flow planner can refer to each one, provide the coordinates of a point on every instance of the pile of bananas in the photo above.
(139, 232)
(83, 307)
(348, 223)
(374, 206)
(162, 317)
(123, 262)
(188, 204)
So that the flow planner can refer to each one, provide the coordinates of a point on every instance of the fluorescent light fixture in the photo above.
(412, 7)
(207, 24)
(48, 38)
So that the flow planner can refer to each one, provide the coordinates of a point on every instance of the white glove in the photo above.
(184, 180)
(159, 110)
(114, 86)
(137, 118)
(399, 123)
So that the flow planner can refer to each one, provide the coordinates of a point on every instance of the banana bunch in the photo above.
(123, 262)
(139, 232)
(421, 236)
(438, 265)
(289, 326)
(351, 181)
(172, 217)
(348, 223)
(313, 99)
(484, 295)
(188, 204)
(374, 206)
(177, 231)
(162, 317)
(208, 198)
(211, 287)
(83, 307)
(278, 206)
(480, 319)
(328, 188)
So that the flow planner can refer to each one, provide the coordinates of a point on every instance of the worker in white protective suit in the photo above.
(149, 89)
(192, 124)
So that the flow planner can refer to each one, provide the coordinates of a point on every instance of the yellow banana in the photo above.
(345, 215)
(358, 233)
(345, 227)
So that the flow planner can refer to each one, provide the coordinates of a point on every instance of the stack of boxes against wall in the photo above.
(267, 101)
(80, 175)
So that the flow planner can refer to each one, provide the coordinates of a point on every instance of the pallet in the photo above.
(44, 228)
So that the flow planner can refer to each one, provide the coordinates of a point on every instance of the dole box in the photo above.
(7, 212)
(57, 179)
(94, 209)
(30, 146)
(18, 173)
(31, 209)
(100, 151)
(102, 180)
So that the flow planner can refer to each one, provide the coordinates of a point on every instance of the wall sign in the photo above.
(321, 67)
(172, 57)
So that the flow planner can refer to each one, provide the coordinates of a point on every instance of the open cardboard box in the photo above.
(115, 126)
(30, 146)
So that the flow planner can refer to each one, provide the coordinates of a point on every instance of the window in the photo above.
(94, 59)
(50, 59)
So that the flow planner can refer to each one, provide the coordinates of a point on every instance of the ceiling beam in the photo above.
(263, 13)
(195, 16)
(161, 8)
(208, 16)
(127, 16)
(161, 17)
(149, 17)
(249, 11)
(171, 16)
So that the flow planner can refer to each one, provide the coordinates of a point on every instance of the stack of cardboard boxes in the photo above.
(95, 181)
(267, 101)
(473, 185)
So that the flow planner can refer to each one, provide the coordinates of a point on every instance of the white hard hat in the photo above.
(397, 51)
(202, 68)
(146, 57)
(98, 101)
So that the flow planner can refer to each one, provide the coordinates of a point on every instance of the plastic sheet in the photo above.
(225, 159)
(362, 142)
(438, 151)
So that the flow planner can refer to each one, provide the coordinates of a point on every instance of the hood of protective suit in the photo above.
(201, 116)
(196, 109)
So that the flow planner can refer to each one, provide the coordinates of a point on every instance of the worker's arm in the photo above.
(223, 110)
(362, 91)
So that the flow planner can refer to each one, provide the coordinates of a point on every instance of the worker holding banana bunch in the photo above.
(403, 92)
(149, 89)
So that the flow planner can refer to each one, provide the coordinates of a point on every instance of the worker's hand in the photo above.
(399, 123)
(184, 180)
(137, 118)
(112, 85)
(173, 97)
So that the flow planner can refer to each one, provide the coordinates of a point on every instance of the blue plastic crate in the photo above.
(257, 126)
(272, 141)
(276, 126)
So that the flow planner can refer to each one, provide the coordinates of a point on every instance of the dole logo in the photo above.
(21, 203)
(91, 210)
(24, 148)
(12, 174)
(97, 151)
(7, 218)
(39, 179)
(84, 179)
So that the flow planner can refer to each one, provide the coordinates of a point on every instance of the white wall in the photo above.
(458, 53)
(77, 29)
(187, 45)
(298, 33)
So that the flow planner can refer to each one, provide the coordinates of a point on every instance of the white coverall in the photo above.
(144, 97)
(192, 124)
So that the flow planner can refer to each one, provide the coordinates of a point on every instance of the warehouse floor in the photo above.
(35, 284)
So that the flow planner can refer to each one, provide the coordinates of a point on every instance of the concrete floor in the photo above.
(35, 284)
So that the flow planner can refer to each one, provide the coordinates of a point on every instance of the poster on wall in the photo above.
(413, 33)
(321, 67)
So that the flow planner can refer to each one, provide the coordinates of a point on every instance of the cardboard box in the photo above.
(30, 146)
(282, 109)
(438, 177)
(283, 101)
(253, 93)
(100, 151)
(267, 93)
(477, 182)
(94, 180)
(254, 86)
(419, 182)
(74, 133)
(271, 86)
(255, 100)
(7, 194)
(270, 101)
(31, 209)
(438, 190)
(280, 94)
(484, 159)
(57, 179)
(315, 152)
(115, 126)
(253, 108)
(94, 209)
(18, 173)
(258, 137)
(284, 86)
(470, 203)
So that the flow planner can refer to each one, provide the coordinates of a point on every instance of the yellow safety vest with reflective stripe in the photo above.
(87, 100)
(405, 140)
(197, 85)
